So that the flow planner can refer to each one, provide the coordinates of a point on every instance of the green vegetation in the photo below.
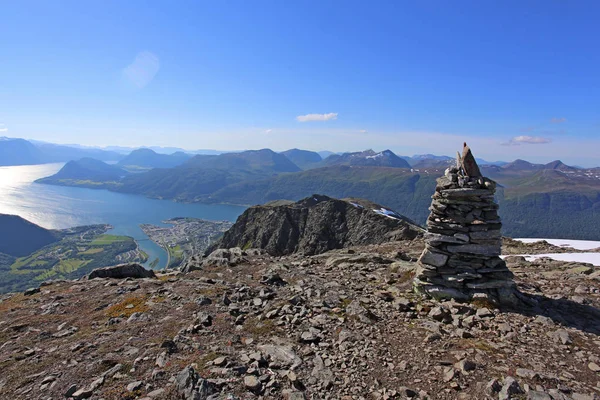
(176, 254)
(80, 251)
(105, 240)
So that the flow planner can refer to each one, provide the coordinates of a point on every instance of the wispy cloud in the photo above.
(519, 140)
(363, 131)
(143, 69)
(528, 129)
(3, 128)
(558, 120)
(316, 117)
(268, 131)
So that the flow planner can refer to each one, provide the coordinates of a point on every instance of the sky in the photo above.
(515, 79)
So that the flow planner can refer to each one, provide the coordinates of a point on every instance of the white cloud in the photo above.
(268, 131)
(3, 128)
(363, 131)
(143, 69)
(519, 140)
(558, 120)
(316, 117)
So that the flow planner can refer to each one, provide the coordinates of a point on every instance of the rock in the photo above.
(403, 304)
(484, 313)
(70, 391)
(203, 301)
(562, 336)
(582, 270)
(83, 394)
(283, 355)
(122, 271)
(138, 317)
(225, 257)
(537, 395)
(273, 279)
(510, 388)
(252, 383)
(220, 361)
(594, 367)
(169, 345)
(357, 310)
(433, 258)
(309, 337)
(194, 263)
(322, 373)
(293, 395)
(158, 393)
(190, 386)
(526, 373)
(133, 386)
(306, 226)
(493, 387)
(449, 374)
(465, 366)
(439, 313)
(31, 291)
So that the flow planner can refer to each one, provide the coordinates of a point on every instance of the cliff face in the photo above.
(315, 225)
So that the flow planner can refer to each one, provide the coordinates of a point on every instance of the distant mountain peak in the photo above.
(386, 158)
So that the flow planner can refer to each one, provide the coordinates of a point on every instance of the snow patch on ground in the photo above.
(591, 258)
(378, 155)
(576, 244)
(356, 205)
(387, 213)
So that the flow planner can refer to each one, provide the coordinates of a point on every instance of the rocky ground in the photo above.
(340, 325)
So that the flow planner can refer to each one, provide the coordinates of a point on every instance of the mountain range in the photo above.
(23, 152)
(537, 200)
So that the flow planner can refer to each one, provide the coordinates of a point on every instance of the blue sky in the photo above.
(513, 78)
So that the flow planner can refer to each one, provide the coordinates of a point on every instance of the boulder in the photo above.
(122, 271)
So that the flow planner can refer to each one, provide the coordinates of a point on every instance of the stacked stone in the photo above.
(461, 259)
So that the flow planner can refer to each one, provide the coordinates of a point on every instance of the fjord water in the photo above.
(58, 207)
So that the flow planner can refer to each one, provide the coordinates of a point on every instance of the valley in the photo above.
(78, 251)
(185, 237)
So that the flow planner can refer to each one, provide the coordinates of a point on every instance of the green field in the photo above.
(75, 255)
(104, 240)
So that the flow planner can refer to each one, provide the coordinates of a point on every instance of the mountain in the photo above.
(560, 166)
(315, 225)
(19, 152)
(19, 237)
(24, 152)
(404, 191)
(61, 153)
(370, 158)
(264, 161)
(429, 161)
(522, 165)
(302, 158)
(325, 153)
(86, 171)
(202, 175)
(147, 158)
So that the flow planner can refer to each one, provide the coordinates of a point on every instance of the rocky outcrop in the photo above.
(122, 271)
(461, 259)
(315, 225)
(219, 258)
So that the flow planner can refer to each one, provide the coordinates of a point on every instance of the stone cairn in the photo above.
(461, 258)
